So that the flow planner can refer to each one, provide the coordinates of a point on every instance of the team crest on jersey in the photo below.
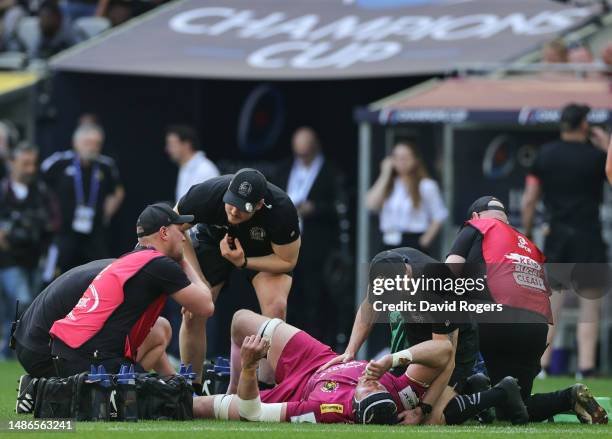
(330, 386)
(257, 233)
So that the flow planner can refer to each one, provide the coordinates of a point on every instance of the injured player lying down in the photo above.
(354, 392)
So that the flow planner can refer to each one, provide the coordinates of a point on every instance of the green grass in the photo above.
(10, 371)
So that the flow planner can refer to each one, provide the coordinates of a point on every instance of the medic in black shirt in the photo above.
(107, 312)
(247, 223)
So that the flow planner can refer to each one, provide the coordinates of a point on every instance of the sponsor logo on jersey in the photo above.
(522, 243)
(332, 408)
(408, 397)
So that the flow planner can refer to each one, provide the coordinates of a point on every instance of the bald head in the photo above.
(305, 143)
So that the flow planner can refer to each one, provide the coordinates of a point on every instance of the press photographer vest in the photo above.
(514, 267)
(102, 298)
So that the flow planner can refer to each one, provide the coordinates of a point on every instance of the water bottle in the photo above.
(126, 389)
(100, 393)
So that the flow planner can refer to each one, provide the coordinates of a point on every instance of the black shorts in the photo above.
(216, 268)
(68, 361)
(566, 244)
(39, 365)
(513, 349)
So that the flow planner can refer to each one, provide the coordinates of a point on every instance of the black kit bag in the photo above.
(92, 400)
(54, 396)
(164, 398)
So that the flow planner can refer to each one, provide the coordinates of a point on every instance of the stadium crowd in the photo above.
(41, 29)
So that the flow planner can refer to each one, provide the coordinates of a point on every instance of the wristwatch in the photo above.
(425, 408)
(244, 264)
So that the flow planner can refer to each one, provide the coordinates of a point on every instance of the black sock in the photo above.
(197, 388)
(464, 407)
(542, 406)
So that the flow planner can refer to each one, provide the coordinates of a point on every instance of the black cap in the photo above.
(246, 189)
(387, 264)
(158, 215)
(572, 116)
(488, 202)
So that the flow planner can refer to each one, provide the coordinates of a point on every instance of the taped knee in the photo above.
(267, 328)
(221, 405)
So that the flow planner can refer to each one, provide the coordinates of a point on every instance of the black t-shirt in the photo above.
(276, 222)
(468, 244)
(53, 303)
(572, 175)
(59, 172)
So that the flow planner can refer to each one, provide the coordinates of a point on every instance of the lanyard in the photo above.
(78, 184)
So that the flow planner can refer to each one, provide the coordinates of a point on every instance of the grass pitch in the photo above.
(10, 372)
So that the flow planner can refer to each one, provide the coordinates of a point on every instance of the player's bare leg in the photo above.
(203, 408)
(192, 338)
(587, 330)
(247, 323)
(556, 304)
(272, 292)
(152, 352)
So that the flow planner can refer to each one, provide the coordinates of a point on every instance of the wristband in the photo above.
(401, 358)
(244, 264)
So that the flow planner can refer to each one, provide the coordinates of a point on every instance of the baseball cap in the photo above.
(387, 264)
(572, 115)
(158, 215)
(246, 189)
(488, 202)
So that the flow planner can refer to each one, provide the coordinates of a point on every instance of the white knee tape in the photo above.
(221, 405)
(266, 330)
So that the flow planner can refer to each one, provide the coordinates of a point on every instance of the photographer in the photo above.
(28, 217)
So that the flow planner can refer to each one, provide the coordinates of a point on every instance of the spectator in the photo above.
(28, 217)
(554, 52)
(569, 175)
(91, 193)
(310, 181)
(55, 32)
(408, 200)
(118, 12)
(580, 55)
(194, 167)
